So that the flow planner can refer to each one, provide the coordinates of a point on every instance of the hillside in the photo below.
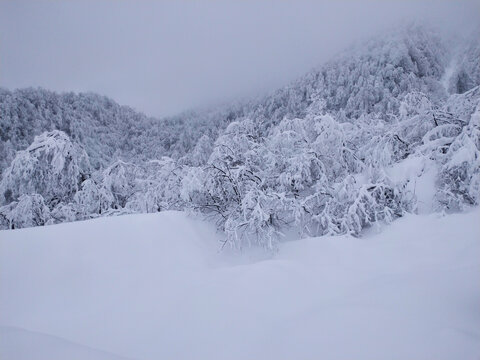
(105, 129)
(370, 78)
(321, 156)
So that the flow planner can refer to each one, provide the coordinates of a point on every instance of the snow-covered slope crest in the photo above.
(155, 286)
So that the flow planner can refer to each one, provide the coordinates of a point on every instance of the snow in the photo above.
(157, 286)
(20, 344)
(419, 174)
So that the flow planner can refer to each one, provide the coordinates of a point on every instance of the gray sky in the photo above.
(167, 56)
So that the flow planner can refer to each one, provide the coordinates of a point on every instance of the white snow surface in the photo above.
(157, 286)
(20, 344)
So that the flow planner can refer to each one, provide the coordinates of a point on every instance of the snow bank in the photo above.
(156, 287)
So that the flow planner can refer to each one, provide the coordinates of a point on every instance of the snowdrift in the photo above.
(157, 286)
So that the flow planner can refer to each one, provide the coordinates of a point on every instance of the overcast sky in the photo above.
(167, 56)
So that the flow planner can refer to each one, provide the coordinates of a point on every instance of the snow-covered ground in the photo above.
(157, 287)
(21, 344)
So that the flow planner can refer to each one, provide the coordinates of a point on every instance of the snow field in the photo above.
(156, 286)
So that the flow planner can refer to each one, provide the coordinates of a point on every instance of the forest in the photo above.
(344, 147)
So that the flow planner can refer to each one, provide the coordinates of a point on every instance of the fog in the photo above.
(167, 56)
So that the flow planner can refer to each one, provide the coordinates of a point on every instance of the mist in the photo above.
(165, 57)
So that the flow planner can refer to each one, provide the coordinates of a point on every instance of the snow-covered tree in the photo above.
(201, 152)
(120, 180)
(64, 213)
(328, 154)
(467, 73)
(52, 166)
(30, 210)
(93, 198)
(459, 178)
(158, 187)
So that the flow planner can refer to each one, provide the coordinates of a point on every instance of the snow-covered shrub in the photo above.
(380, 145)
(459, 178)
(51, 166)
(348, 207)
(120, 179)
(93, 199)
(64, 213)
(290, 159)
(192, 185)
(302, 174)
(233, 187)
(255, 221)
(414, 103)
(368, 204)
(157, 187)
(29, 210)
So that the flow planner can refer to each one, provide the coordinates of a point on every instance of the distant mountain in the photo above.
(371, 78)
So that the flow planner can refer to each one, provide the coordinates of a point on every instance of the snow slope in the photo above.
(156, 286)
(21, 344)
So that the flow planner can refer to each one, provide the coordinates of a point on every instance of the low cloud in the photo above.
(165, 57)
